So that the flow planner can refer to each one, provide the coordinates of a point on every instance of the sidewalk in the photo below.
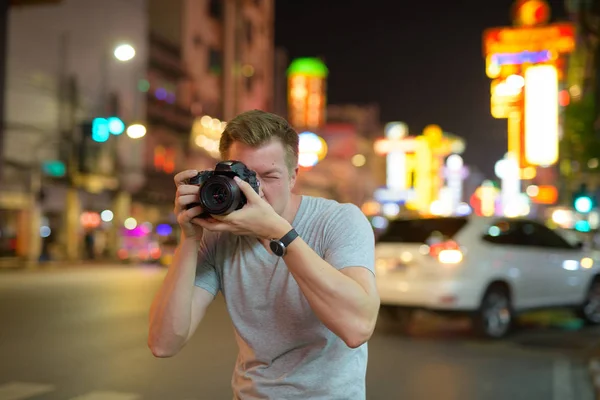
(13, 264)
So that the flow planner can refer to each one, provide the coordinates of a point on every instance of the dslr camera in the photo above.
(219, 194)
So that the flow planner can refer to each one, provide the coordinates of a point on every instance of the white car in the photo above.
(490, 268)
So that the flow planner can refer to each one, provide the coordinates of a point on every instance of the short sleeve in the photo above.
(349, 239)
(206, 271)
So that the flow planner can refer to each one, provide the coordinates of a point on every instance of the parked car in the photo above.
(489, 268)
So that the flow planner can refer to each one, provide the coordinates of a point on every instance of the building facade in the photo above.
(211, 59)
(229, 51)
(197, 64)
(61, 72)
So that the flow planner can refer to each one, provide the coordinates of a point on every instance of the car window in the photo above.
(422, 230)
(505, 232)
(524, 233)
(542, 236)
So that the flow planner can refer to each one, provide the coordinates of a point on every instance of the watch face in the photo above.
(277, 248)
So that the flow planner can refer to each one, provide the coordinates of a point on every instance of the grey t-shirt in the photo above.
(285, 351)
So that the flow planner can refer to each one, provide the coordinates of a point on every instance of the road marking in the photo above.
(562, 384)
(108, 396)
(23, 390)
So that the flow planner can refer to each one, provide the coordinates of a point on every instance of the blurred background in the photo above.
(431, 117)
(105, 101)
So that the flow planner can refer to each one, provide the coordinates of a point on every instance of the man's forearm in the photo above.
(170, 314)
(341, 303)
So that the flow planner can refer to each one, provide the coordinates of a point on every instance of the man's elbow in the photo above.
(160, 350)
(360, 333)
(362, 329)
(357, 338)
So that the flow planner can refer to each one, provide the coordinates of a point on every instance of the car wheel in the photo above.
(494, 318)
(590, 309)
(400, 317)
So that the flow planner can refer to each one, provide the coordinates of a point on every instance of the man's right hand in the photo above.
(187, 194)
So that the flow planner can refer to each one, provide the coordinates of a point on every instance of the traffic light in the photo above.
(100, 132)
(115, 125)
(54, 168)
(583, 201)
(102, 128)
(583, 204)
(94, 134)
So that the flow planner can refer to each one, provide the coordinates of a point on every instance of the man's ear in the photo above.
(293, 177)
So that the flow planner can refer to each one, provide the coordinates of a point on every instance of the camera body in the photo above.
(219, 194)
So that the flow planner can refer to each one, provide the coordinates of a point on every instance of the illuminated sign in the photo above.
(306, 92)
(558, 38)
(524, 57)
(415, 164)
(387, 146)
(507, 169)
(531, 12)
(506, 95)
(546, 194)
(483, 201)
(455, 172)
(311, 149)
(504, 64)
(515, 144)
(396, 146)
(502, 110)
(541, 115)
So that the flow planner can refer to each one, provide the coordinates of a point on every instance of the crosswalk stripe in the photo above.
(107, 396)
(23, 390)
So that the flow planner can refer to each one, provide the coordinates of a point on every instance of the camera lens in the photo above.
(220, 195)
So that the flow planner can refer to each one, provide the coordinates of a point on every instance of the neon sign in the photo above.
(524, 57)
(558, 38)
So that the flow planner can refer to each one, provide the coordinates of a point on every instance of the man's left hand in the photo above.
(256, 218)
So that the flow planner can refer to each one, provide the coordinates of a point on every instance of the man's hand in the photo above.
(256, 218)
(186, 195)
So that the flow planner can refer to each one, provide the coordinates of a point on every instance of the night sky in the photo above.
(421, 62)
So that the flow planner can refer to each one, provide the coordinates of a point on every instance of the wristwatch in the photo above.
(279, 247)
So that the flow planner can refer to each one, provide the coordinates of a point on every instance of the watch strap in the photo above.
(289, 237)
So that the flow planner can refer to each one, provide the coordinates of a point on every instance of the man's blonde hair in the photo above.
(256, 128)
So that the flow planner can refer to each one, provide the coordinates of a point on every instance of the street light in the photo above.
(136, 131)
(124, 52)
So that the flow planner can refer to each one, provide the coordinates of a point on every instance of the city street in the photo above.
(80, 333)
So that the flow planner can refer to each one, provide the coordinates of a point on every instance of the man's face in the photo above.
(268, 161)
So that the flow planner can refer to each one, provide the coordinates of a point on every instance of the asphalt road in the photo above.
(80, 333)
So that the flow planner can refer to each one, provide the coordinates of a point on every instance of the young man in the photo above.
(296, 272)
